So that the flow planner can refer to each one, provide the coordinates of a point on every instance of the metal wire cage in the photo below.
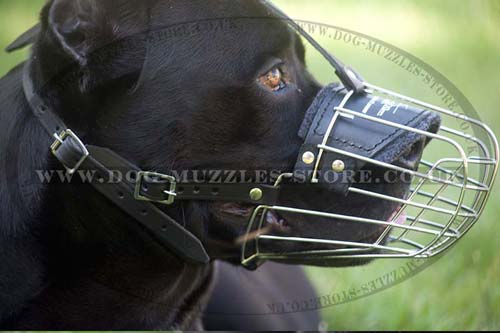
(447, 196)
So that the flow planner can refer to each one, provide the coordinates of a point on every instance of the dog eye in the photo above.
(273, 80)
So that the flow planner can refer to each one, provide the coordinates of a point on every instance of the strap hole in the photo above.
(121, 195)
(180, 190)
(58, 129)
(164, 228)
(42, 108)
(196, 190)
(144, 212)
(215, 191)
(133, 176)
(145, 187)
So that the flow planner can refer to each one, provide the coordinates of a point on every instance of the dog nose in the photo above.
(411, 159)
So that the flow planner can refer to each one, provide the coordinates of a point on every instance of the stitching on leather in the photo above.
(396, 131)
(323, 114)
(352, 144)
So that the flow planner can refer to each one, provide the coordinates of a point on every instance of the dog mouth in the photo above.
(273, 221)
(235, 218)
(398, 217)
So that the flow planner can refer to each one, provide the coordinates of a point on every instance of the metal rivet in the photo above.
(308, 157)
(338, 166)
(256, 194)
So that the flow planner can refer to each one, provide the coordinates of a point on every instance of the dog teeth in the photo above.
(271, 218)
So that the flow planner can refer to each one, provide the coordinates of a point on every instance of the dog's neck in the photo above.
(95, 255)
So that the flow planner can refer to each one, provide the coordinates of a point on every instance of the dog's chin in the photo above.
(235, 218)
(370, 236)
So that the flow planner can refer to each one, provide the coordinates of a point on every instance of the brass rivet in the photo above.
(338, 166)
(256, 194)
(308, 157)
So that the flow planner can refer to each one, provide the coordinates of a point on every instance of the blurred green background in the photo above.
(461, 39)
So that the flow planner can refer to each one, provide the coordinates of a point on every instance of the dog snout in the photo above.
(412, 156)
(411, 159)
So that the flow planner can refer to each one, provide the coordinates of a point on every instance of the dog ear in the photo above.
(81, 26)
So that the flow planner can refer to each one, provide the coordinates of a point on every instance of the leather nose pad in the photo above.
(411, 158)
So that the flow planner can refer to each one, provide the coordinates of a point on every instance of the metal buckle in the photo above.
(170, 193)
(60, 139)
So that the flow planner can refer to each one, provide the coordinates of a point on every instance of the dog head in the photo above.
(201, 85)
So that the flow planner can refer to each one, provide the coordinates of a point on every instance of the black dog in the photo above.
(227, 91)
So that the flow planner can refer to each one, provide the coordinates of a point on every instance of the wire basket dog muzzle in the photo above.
(345, 132)
(358, 125)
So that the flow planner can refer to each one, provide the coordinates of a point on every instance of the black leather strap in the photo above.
(49, 120)
(74, 155)
(165, 229)
(155, 191)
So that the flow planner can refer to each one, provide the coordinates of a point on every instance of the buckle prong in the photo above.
(60, 139)
(171, 194)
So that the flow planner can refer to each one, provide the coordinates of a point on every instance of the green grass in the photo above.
(462, 41)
